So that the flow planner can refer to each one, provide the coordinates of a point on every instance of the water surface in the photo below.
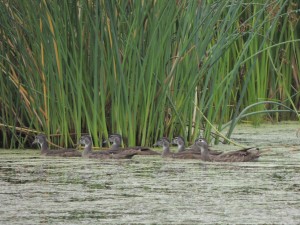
(152, 190)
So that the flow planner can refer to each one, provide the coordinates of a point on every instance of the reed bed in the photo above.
(145, 69)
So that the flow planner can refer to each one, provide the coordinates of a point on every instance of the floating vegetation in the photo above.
(154, 190)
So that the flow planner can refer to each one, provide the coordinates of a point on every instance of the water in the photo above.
(152, 190)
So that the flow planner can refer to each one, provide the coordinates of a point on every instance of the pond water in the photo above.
(153, 190)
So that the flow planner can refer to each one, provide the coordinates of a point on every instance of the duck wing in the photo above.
(63, 153)
(142, 150)
(244, 155)
(125, 154)
(187, 154)
(214, 152)
(98, 156)
(72, 154)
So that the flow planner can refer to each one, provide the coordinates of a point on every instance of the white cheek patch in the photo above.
(201, 149)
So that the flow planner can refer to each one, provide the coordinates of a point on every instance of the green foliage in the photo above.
(144, 69)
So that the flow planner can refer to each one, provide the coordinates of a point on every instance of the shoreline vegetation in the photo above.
(145, 69)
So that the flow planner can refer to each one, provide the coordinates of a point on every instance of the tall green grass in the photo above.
(144, 69)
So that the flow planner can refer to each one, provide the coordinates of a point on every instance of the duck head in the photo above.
(179, 141)
(116, 140)
(41, 140)
(86, 140)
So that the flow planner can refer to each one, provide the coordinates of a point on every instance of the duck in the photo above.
(41, 140)
(243, 155)
(86, 140)
(116, 140)
(166, 153)
(179, 141)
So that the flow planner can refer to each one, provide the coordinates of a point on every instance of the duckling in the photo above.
(244, 155)
(116, 140)
(179, 140)
(187, 154)
(41, 140)
(210, 151)
(86, 140)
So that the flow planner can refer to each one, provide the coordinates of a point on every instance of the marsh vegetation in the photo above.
(144, 69)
